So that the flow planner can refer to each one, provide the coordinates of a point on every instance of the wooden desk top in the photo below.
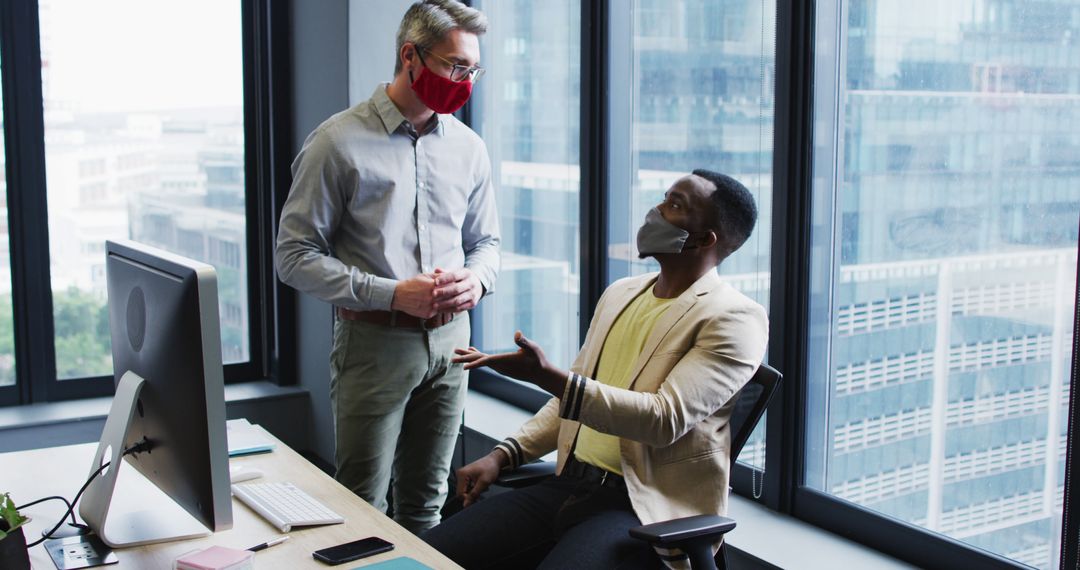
(30, 475)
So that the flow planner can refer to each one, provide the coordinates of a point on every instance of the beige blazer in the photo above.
(673, 421)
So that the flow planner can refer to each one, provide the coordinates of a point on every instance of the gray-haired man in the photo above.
(391, 218)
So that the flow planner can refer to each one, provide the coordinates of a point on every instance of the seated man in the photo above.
(648, 439)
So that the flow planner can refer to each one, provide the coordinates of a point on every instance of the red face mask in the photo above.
(439, 93)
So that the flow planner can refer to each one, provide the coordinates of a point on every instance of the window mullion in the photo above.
(276, 136)
(593, 193)
(267, 178)
(257, 158)
(785, 446)
(27, 207)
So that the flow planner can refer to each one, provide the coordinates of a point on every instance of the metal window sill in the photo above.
(79, 421)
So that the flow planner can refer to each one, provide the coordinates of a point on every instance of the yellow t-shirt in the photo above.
(621, 350)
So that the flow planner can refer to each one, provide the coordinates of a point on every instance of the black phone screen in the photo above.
(353, 550)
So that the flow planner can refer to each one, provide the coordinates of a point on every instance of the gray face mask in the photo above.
(658, 235)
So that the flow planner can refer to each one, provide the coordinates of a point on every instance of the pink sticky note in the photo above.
(214, 558)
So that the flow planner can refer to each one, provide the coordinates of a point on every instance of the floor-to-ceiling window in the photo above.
(527, 109)
(144, 140)
(692, 87)
(149, 121)
(947, 193)
(931, 274)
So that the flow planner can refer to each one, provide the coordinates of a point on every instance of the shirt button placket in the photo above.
(422, 229)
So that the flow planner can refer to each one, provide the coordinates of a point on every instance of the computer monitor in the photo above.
(166, 346)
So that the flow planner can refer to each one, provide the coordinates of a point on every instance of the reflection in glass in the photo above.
(526, 109)
(144, 139)
(701, 96)
(946, 200)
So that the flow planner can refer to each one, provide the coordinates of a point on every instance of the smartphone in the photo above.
(353, 550)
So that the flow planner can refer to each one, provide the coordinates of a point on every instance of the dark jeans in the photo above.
(564, 522)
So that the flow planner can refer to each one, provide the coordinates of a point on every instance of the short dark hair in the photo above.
(734, 213)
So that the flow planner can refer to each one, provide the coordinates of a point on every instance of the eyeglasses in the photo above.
(458, 72)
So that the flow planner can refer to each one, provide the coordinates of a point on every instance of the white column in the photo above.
(1063, 297)
(940, 401)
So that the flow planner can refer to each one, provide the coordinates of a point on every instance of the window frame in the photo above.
(267, 116)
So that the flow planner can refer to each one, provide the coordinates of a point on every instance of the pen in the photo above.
(269, 543)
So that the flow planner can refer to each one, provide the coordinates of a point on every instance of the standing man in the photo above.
(391, 218)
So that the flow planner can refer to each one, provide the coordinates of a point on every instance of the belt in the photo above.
(395, 319)
(593, 474)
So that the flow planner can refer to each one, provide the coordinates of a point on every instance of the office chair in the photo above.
(693, 535)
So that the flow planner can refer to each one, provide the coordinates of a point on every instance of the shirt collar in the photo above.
(392, 118)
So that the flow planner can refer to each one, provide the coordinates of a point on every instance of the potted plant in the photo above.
(13, 552)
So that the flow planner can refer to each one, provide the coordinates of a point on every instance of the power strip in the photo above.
(83, 551)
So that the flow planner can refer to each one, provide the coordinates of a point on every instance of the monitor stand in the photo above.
(141, 513)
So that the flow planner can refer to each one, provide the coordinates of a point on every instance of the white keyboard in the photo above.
(285, 505)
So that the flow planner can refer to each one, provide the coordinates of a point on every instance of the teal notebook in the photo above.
(245, 439)
(401, 563)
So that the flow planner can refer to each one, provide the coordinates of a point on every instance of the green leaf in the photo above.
(10, 515)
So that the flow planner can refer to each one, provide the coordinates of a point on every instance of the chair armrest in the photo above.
(525, 475)
(676, 530)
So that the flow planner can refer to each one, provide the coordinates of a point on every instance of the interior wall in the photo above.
(342, 49)
(373, 28)
(320, 68)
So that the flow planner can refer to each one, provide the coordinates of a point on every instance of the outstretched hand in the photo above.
(528, 363)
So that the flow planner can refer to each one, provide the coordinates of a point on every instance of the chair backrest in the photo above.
(750, 405)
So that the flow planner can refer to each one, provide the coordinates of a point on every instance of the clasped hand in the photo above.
(429, 294)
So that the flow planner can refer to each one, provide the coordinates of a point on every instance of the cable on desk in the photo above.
(52, 498)
(139, 447)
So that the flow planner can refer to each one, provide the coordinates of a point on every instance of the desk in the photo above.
(29, 475)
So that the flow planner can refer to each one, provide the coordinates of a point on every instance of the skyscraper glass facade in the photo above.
(946, 204)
